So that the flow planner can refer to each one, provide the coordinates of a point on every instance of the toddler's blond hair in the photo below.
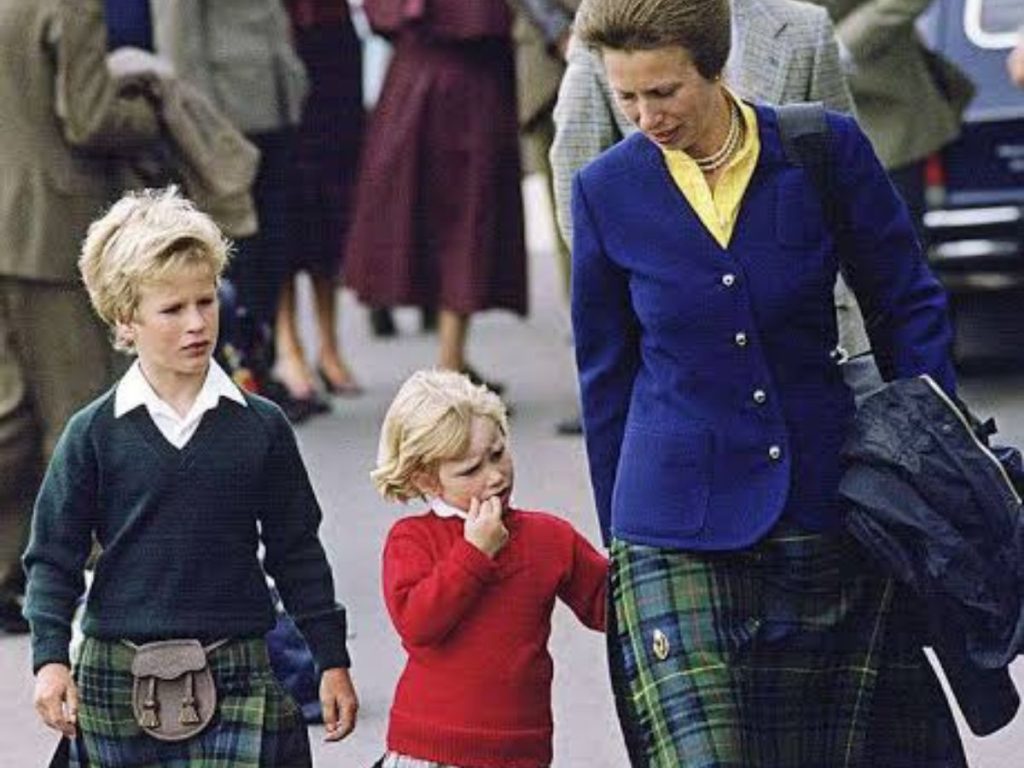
(429, 422)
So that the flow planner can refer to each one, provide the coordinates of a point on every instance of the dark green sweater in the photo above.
(179, 531)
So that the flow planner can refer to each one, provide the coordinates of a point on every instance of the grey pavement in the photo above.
(532, 356)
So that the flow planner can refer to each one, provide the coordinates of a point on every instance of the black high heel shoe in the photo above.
(297, 409)
(351, 389)
(496, 387)
(382, 323)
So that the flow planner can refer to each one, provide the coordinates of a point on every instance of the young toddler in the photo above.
(471, 583)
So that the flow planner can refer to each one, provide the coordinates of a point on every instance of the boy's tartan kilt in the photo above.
(778, 656)
(257, 724)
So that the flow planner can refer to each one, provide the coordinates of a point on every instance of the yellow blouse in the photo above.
(718, 210)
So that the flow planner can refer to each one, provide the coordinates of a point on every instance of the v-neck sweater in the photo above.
(179, 531)
(476, 689)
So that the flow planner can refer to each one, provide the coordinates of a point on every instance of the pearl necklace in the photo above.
(717, 159)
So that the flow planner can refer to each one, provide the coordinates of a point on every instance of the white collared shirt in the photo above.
(442, 508)
(133, 390)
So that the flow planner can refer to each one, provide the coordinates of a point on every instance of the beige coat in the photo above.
(539, 69)
(54, 87)
(54, 353)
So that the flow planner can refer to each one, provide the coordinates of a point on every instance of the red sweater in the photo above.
(476, 689)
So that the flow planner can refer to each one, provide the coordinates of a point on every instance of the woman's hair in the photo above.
(702, 27)
(427, 423)
(143, 237)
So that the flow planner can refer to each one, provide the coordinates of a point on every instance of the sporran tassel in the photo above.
(149, 707)
(189, 715)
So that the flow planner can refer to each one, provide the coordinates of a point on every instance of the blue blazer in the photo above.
(712, 403)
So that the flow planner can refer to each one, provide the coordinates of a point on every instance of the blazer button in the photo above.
(741, 339)
(728, 279)
(759, 396)
(774, 453)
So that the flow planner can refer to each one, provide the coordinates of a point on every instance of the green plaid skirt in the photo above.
(784, 655)
(257, 724)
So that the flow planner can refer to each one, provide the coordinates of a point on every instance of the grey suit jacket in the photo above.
(239, 53)
(909, 101)
(57, 97)
(788, 53)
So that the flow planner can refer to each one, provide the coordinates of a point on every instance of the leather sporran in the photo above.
(173, 694)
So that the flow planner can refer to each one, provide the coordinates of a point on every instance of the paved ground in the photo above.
(532, 356)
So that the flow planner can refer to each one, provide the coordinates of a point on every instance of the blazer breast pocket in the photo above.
(663, 482)
(799, 216)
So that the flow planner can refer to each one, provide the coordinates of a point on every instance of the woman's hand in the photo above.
(340, 703)
(56, 698)
(484, 529)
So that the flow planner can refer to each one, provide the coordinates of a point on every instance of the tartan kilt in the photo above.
(783, 655)
(257, 724)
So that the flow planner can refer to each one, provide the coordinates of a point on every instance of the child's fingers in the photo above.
(339, 702)
(330, 715)
(56, 698)
(474, 509)
(71, 707)
(346, 718)
(491, 508)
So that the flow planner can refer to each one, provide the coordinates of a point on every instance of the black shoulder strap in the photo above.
(805, 142)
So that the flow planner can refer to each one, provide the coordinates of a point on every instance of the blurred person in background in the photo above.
(240, 54)
(909, 100)
(322, 179)
(63, 129)
(541, 33)
(438, 220)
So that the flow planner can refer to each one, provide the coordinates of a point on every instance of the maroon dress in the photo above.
(327, 144)
(438, 218)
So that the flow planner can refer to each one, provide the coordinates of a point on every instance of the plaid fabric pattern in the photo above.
(769, 657)
(257, 724)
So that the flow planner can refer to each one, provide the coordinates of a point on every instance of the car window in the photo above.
(993, 23)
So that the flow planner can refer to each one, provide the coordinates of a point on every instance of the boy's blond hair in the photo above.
(144, 236)
(429, 422)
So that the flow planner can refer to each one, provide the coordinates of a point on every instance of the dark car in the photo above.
(975, 186)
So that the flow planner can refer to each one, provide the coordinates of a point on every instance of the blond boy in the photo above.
(179, 476)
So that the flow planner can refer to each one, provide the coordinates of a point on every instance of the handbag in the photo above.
(173, 693)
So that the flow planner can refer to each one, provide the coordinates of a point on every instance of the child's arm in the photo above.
(61, 539)
(584, 587)
(427, 597)
(62, 525)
